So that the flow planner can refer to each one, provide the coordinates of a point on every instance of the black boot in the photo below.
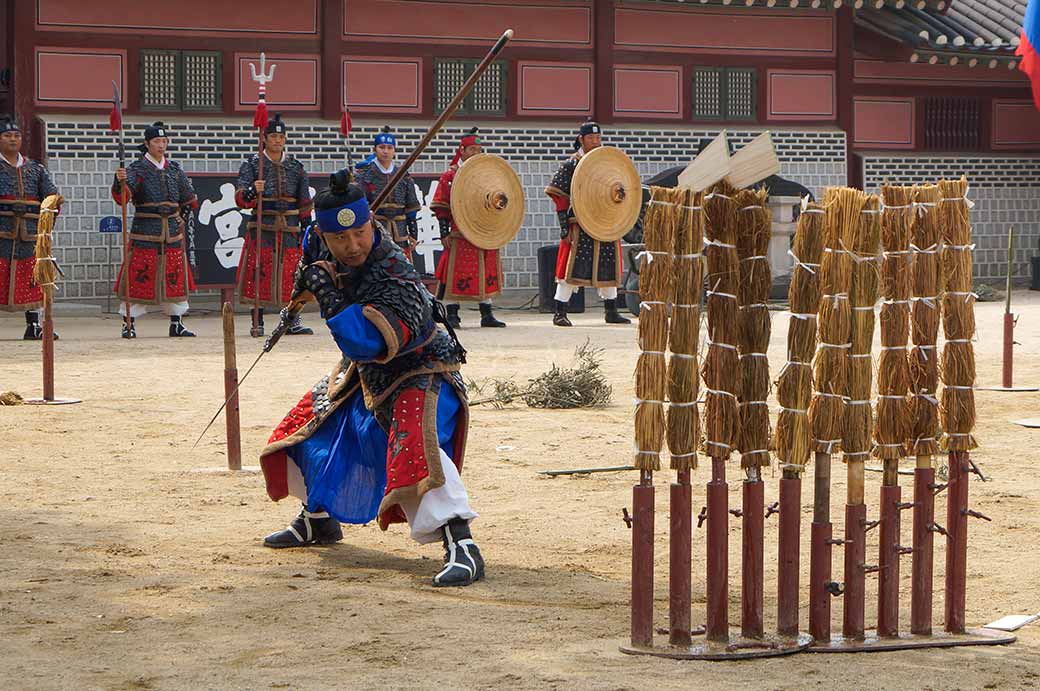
(318, 528)
(453, 317)
(487, 317)
(611, 315)
(560, 317)
(463, 563)
(177, 329)
(33, 330)
(298, 329)
(128, 328)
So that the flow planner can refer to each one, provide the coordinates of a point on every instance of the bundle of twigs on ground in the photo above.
(682, 418)
(721, 419)
(831, 366)
(655, 287)
(957, 367)
(581, 386)
(11, 398)
(794, 386)
(754, 229)
(924, 358)
(856, 440)
(892, 426)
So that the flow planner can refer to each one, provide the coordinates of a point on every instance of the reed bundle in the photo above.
(794, 385)
(683, 420)
(754, 230)
(721, 421)
(924, 321)
(957, 367)
(655, 285)
(45, 270)
(831, 366)
(893, 422)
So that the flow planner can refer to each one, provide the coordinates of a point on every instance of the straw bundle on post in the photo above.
(45, 270)
(958, 314)
(683, 418)
(830, 369)
(720, 369)
(754, 229)
(655, 283)
(922, 440)
(794, 385)
(856, 440)
(892, 426)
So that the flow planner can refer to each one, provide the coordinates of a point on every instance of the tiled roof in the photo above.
(987, 29)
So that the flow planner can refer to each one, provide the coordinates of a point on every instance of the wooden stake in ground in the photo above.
(234, 430)
(45, 273)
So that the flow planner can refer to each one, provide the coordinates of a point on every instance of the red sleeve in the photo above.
(120, 194)
(562, 203)
(241, 202)
(441, 204)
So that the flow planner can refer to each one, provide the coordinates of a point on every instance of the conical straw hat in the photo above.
(487, 201)
(606, 193)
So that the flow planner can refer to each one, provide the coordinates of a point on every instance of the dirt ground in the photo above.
(124, 567)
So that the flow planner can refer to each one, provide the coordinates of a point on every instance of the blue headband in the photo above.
(385, 138)
(346, 217)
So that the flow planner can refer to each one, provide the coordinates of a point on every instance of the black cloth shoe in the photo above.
(453, 317)
(258, 331)
(308, 528)
(177, 329)
(487, 317)
(33, 330)
(611, 315)
(128, 328)
(298, 329)
(560, 317)
(463, 563)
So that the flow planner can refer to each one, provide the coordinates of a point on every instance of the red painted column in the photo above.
(751, 567)
(788, 554)
(643, 562)
(888, 562)
(23, 77)
(603, 50)
(855, 576)
(956, 541)
(845, 64)
(921, 567)
(331, 87)
(717, 561)
(680, 556)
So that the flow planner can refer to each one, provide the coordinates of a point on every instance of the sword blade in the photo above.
(228, 399)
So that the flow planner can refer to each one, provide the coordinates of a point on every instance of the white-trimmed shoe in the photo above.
(308, 528)
(463, 563)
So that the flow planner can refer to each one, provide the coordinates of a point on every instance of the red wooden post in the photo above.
(921, 567)
(855, 576)
(680, 556)
(751, 593)
(717, 562)
(789, 546)
(888, 562)
(820, 551)
(956, 541)
(234, 438)
(1009, 349)
(643, 561)
(48, 349)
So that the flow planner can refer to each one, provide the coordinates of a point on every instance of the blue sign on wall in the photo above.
(110, 224)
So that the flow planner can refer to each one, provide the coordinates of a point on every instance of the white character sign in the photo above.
(227, 219)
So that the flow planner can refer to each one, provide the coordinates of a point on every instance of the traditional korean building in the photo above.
(854, 93)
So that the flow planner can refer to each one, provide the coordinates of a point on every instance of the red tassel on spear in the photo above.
(345, 123)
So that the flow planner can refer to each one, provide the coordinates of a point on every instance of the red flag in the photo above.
(260, 116)
(115, 119)
(345, 123)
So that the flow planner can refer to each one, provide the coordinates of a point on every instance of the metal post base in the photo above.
(56, 401)
(736, 648)
(907, 641)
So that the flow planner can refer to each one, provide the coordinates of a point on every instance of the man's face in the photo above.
(471, 151)
(351, 247)
(385, 154)
(157, 147)
(10, 143)
(275, 144)
(591, 141)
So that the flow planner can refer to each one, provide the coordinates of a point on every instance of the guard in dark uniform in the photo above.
(24, 183)
(398, 213)
(287, 209)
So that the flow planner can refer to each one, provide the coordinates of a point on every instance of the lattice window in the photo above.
(724, 93)
(952, 124)
(173, 80)
(201, 81)
(488, 96)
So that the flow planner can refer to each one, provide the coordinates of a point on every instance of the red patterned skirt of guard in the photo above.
(468, 272)
(156, 278)
(246, 277)
(18, 290)
(273, 465)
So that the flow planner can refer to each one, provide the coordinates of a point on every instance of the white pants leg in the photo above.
(438, 506)
(175, 309)
(564, 291)
(136, 309)
(607, 293)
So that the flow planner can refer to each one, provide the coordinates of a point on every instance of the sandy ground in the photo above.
(123, 567)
